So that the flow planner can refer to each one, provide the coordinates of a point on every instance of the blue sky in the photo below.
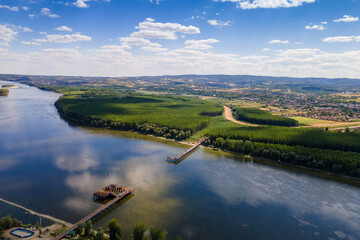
(300, 38)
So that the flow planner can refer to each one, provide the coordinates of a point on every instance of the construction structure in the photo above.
(176, 160)
(113, 193)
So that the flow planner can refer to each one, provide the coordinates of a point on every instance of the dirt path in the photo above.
(228, 116)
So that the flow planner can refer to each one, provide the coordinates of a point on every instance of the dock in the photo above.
(176, 160)
(112, 192)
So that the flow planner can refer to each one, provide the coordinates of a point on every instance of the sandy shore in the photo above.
(56, 220)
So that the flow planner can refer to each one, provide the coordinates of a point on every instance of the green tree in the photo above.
(139, 231)
(100, 235)
(88, 228)
(114, 229)
(80, 229)
(157, 234)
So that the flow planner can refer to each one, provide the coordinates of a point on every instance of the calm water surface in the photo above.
(53, 168)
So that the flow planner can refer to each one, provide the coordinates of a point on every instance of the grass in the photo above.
(304, 121)
(60, 230)
(215, 122)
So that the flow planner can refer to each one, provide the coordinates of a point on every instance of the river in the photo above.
(53, 167)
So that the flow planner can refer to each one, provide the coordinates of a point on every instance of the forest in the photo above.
(258, 116)
(307, 137)
(339, 162)
(168, 116)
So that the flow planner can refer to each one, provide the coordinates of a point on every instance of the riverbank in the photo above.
(56, 220)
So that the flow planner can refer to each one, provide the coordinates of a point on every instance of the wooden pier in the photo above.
(114, 192)
(176, 160)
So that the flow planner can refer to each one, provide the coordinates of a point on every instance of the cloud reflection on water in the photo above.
(258, 184)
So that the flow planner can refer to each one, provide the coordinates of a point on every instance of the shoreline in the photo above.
(310, 171)
(54, 219)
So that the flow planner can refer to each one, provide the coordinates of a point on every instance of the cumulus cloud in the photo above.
(252, 4)
(7, 33)
(277, 41)
(25, 29)
(200, 44)
(151, 29)
(14, 8)
(342, 39)
(46, 12)
(319, 27)
(347, 18)
(218, 23)
(83, 3)
(30, 43)
(66, 38)
(64, 29)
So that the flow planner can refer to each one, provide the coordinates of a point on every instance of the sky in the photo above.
(115, 38)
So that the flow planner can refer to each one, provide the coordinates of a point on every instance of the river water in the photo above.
(53, 167)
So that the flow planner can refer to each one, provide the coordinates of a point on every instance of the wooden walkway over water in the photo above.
(98, 212)
(176, 160)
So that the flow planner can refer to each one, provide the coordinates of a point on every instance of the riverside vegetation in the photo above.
(114, 232)
(175, 117)
(9, 222)
(4, 92)
(180, 117)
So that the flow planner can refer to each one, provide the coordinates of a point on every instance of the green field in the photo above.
(254, 115)
(307, 121)
(154, 114)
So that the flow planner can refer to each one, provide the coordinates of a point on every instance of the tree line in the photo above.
(258, 116)
(115, 232)
(307, 137)
(345, 163)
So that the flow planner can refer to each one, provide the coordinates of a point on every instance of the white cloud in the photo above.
(25, 8)
(30, 43)
(25, 29)
(64, 29)
(219, 23)
(47, 12)
(67, 38)
(7, 33)
(134, 41)
(200, 44)
(347, 18)
(116, 61)
(81, 3)
(342, 39)
(319, 27)
(276, 41)
(299, 52)
(251, 4)
(14, 9)
(4, 44)
(151, 29)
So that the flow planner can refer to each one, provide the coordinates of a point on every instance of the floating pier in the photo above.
(112, 192)
(176, 160)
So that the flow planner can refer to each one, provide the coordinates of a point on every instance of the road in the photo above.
(228, 116)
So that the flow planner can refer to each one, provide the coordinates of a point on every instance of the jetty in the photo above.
(176, 160)
(112, 192)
